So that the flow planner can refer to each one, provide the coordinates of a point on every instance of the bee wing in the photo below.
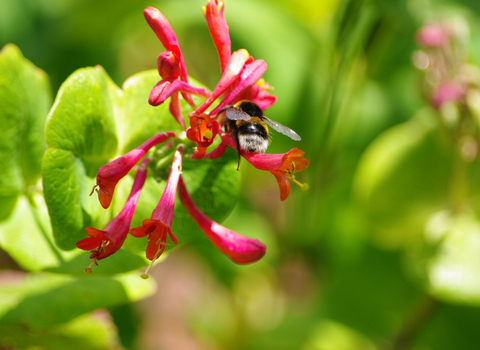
(282, 129)
(235, 113)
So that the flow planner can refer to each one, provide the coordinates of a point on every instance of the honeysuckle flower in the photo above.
(171, 84)
(169, 69)
(167, 87)
(104, 243)
(433, 35)
(238, 248)
(158, 227)
(109, 175)
(282, 166)
(218, 28)
(259, 95)
(234, 68)
(241, 79)
(448, 91)
(164, 32)
(202, 131)
(249, 76)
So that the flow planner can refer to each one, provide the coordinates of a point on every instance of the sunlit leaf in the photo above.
(93, 121)
(403, 178)
(45, 300)
(453, 268)
(24, 99)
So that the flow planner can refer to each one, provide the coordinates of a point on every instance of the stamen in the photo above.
(88, 270)
(93, 189)
(145, 274)
(157, 255)
(159, 242)
(104, 189)
(103, 246)
(304, 187)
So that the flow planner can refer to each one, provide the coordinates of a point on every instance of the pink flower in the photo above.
(109, 175)
(159, 225)
(104, 243)
(171, 67)
(433, 35)
(202, 131)
(448, 91)
(218, 27)
(282, 166)
(249, 76)
(235, 67)
(238, 248)
(166, 35)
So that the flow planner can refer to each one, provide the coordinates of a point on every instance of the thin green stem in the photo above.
(414, 323)
(34, 209)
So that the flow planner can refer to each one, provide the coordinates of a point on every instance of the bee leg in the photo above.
(238, 150)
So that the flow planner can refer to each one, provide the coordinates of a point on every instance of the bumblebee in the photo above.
(249, 127)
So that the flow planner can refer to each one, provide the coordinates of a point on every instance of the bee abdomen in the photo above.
(253, 137)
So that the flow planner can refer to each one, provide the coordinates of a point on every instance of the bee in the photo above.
(249, 127)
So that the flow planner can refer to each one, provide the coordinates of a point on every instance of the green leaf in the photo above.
(82, 120)
(85, 332)
(24, 99)
(26, 237)
(402, 178)
(83, 133)
(453, 265)
(93, 121)
(382, 299)
(43, 301)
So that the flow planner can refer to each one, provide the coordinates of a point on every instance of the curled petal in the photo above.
(164, 32)
(283, 184)
(159, 226)
(238, 248)
(229, 77)
(157, 237)
(109, 175)
(164, 210)
(249, 76)
(202, 130)
(94, 239)
(282, 166)
(166, 87)
(218, 27)
(111, 238)
(261, 96)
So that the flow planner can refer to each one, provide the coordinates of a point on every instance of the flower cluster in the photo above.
(241, 80)
(451, 84)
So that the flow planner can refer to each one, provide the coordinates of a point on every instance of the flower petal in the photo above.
(166, 87)
(238, 248)
(218, 27)
(249, 76)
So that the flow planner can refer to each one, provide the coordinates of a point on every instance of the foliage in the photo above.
(381, 253)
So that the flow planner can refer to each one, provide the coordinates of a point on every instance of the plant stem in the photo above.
(414, 323)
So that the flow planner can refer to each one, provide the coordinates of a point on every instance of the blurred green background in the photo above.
(383, 251)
